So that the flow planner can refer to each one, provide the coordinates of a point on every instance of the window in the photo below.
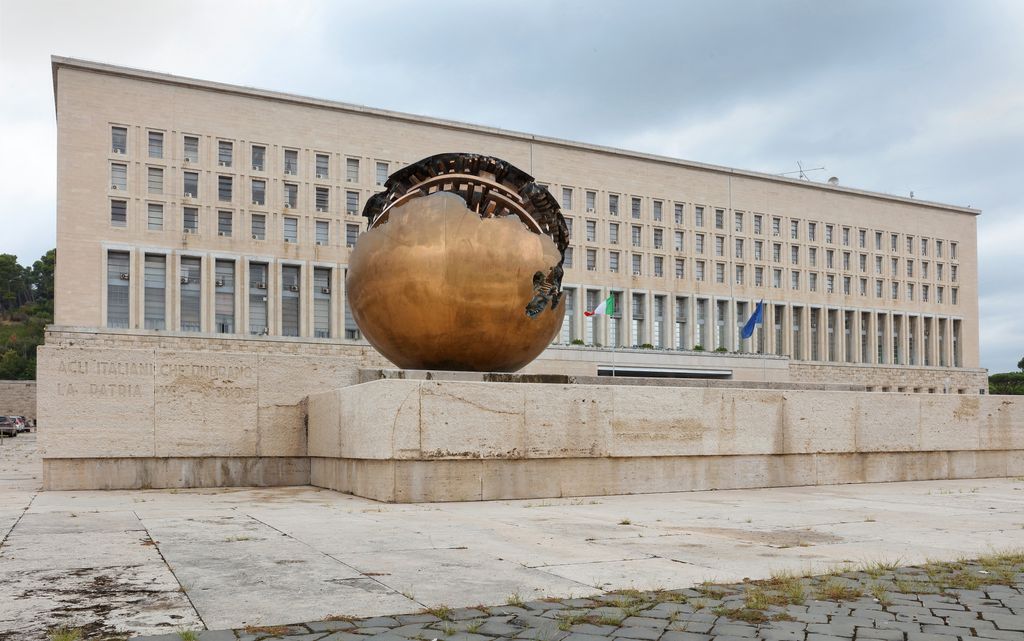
(895, 291)
(938, 294)
(156, 144)
(953, 250)
(777, 252)
(190, 184)
(119, 140)
(719, 219)
(290, 300)
(117, 289)
(910, 291)
(700, 243)
(258, 317)
(719, 272)
(738, 221)
(812, 282)
(794, 279)
(878, 288)
(878, 241)
(895, 267)
(862, 238)
(351, 234)
(794, 255)
(739, 274)
(699, 270)
(323, 199)
(224, 220)
(678, 241)
(323, 232)
(829, 229)
(382, 173)
(259, 227)
(224, 296)
(924, 293)
(591, 260)
(613, 204)
(659, 266)
(659, 238)
(812, 231)
(568, 227)
(657, 210)
(777, 278)
(952, 274)
(613, 233)
(259, 157)
(938, 248)
(591, 231)
(758, 249)
(863, 286)
(352, 203)
(794, 229)
(566, 198)
(591, 201)
(323, 166)
(225, 153)
(910, 244)
(190, 220)
(191, 294)
(224, 188)
(155, 180)
(680, 268)
(878, 264)
(636, 235)
(321, 302)
(759, 276)
(259, 192)
(291, 229)
(291, 195)
(119, 213)
(758, 221)
(846, 261)
(567, 263)
(635, 207)
(719, 245)
(863, 262)
(954, 295)
(847, 282)
(191, 144)
(698, 216)
(679, 214)
(776, 226)
(155, 294)
(924, 269)
(155, 215)
(846, 236)
(613, 262)
(812, 256)
(352, 170)
(291, 162)
(118, 176)
(830, 283)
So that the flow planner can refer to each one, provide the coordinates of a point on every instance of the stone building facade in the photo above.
(216, 210)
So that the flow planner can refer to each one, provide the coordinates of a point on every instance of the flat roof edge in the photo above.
(165, 78)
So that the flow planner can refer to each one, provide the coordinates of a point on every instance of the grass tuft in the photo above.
(834, 591)
(442, 612)
(64, 633)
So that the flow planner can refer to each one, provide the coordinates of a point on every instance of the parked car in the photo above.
(22, 424)
(7, 426)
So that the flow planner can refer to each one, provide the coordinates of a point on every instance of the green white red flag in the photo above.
(607, 308)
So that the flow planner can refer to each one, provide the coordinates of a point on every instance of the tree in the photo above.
(1020, 364)
(14, 287)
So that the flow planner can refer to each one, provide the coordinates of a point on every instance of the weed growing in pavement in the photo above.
(187, 635)
(881, 594)
(442, 612)
(276, 630)
(625, 522)
(514, 600)
(834, 591)
(64, 633)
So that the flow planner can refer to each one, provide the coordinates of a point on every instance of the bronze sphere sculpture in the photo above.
(460, 267)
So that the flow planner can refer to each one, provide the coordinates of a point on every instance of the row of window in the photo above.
(190, 223)
(797, 331)
(226, 157)
(229, 289)
(190, 188)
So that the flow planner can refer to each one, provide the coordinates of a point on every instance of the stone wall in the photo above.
(881, 378)
(18, 398)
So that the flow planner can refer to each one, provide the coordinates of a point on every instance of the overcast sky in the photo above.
(890, 96)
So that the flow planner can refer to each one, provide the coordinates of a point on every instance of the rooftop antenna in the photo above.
(802, 173)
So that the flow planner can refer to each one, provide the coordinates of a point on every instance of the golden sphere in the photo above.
(436, 286)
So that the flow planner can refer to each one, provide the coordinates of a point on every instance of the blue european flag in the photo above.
(757, 318)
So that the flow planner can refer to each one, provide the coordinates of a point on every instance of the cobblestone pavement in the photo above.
(979, 600)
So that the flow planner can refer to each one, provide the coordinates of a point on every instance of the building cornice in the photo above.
(58, 62)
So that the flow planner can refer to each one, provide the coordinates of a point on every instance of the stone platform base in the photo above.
(407, 440)
(176, 472)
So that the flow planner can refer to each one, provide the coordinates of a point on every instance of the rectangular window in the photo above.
(118, 176)
(382, 173)
(659, 266)
(739, 248)
(878, 241)
(659, 238)
(155, 180)
(352, 170)
(846, 261)
(191, 149)
(568, 228)
(155, 215)
(878, 264)
(291, 162)
(322, 302)
(323, 232)
(758, 249)
(191, 294)
(259, 157)
(291, 195)
(953, 250)
(259, 192)
(119, 213)
(776, 226)
(119, 140)
(895, 267)
(224, 188)
(591, 231)
(567, 263)
(591, 260)
(862, 238)
(155, 293)
(812, 256)
(190, 184)
(679, 214)
(323, 199)
(259, 227)
(846, 236)
(812, 282)
(635, 207)
(777, 252)
(759, 276)
(591, 201)
(636, 235)
(637, 265)
(190, 220)
(910, 244)
(812, 231)
(794, 279)
(738, 221)
(910, 268)
(938, 248)
(699, 270)
(225, 153)
(863, 286)
(680, 268)
(613, 262)
(830, 283)
(290, 300)
(224, 220)
(117, 289)
(924, 246)
(924, 293)
(794, 255)
(758, 223)
(657, 210)
(954, 295)
(351, 235)
(719, 245)
(156, 144)
(895, 291)
(878, 289)
(323, 166)
(291, 229)
(258, 318)
(777, 278)
(613, 204)
(613, 233)
(699, 242)
(847, 282)
(952, 273)
(829, 229)
(719, 272)
(566, 198)
(224, 297)
(794, 229)
(739, 274)
(352, 203)
(678, 241)
(698, 216)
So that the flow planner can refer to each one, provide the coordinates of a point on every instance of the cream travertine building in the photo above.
(198, 207)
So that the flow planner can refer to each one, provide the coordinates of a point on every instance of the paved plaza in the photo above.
(123, 563)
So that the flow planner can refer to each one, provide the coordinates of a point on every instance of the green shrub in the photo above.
(721, 350)
(1006, 383)
(698, 348)
(576, 341)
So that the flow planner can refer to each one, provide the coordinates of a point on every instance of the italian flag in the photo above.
(607, 307)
